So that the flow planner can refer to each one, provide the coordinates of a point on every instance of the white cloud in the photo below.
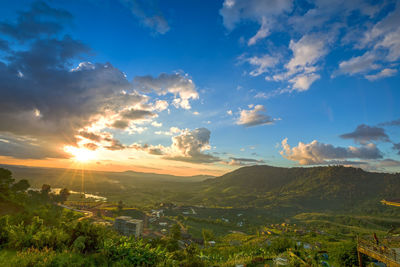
(320, 153)
(382, 45)
(303, 82)
(359, 64)
(263, 63)
(189, 146)
(181, 86)
(233, 11)
(262, 32)
(254, 117)
(229, 112)
(306, 52)
(171, 131)
(156, 124)
(382, 74)
(161, 105)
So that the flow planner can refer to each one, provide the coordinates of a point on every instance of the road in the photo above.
(88, 214)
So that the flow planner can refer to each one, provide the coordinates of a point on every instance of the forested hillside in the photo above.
(333, 187)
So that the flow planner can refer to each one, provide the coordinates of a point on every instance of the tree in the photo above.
(176, 232)
(346, 254)
(120, 207)
(5, 181)
(20, 186)
(64, 194)
(207, 234)
(45, 189)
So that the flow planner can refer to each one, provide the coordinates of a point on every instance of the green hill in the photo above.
(316, 188)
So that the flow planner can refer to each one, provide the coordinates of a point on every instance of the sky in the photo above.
(200, 87)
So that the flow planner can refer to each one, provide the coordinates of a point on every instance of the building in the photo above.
(128, 226)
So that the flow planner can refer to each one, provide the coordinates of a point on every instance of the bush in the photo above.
(128, 251)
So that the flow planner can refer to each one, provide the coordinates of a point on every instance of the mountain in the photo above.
(97, 181)
(314, 188)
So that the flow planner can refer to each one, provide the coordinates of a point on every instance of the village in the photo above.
(157, 223)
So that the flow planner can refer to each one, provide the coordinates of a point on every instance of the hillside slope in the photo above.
(333, 187)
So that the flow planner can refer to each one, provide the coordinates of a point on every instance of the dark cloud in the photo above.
(91, 146)
(135, 114)
(43, 98)
(391, 123)
(4, 45)
(149, 14)
(244, 161)
(28, 148)
(115, 145)
(40, 20)
(120, 124)
(364, 134)
(389, 163)
(397, 148)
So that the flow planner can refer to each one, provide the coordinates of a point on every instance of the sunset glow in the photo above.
(80, 154)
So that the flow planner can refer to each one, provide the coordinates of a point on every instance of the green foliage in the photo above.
(63, 195)
(191, 257)
(46, 188)
(280, 245)
(208, 235)
(47, 257)
(346, 254)
(20, 186)
(131, 252)
(176, 232)
(120, 207)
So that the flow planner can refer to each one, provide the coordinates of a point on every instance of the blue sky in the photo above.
(201, 86)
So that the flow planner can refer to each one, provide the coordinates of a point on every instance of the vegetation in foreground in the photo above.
(35, 231)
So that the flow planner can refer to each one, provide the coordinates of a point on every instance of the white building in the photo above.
(128, 226)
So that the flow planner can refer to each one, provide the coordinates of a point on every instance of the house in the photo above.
(128, 226)
(281, 261)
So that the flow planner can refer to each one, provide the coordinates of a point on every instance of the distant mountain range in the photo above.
(314, 188)
(96, 181)
(334, 188)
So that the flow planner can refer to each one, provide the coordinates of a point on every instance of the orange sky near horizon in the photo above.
(171, 168)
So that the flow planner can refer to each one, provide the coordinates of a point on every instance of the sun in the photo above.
(80, 154)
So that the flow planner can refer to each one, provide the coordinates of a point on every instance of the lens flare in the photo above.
(80, 154)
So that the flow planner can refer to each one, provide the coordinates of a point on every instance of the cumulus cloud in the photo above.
(187, 145)
(181, 86)
(149, 14)
(254, 117)
(47, 102)
(364, 134)
(319, 153)
(190, 146)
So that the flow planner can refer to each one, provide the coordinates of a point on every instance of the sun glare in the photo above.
(80, 154)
